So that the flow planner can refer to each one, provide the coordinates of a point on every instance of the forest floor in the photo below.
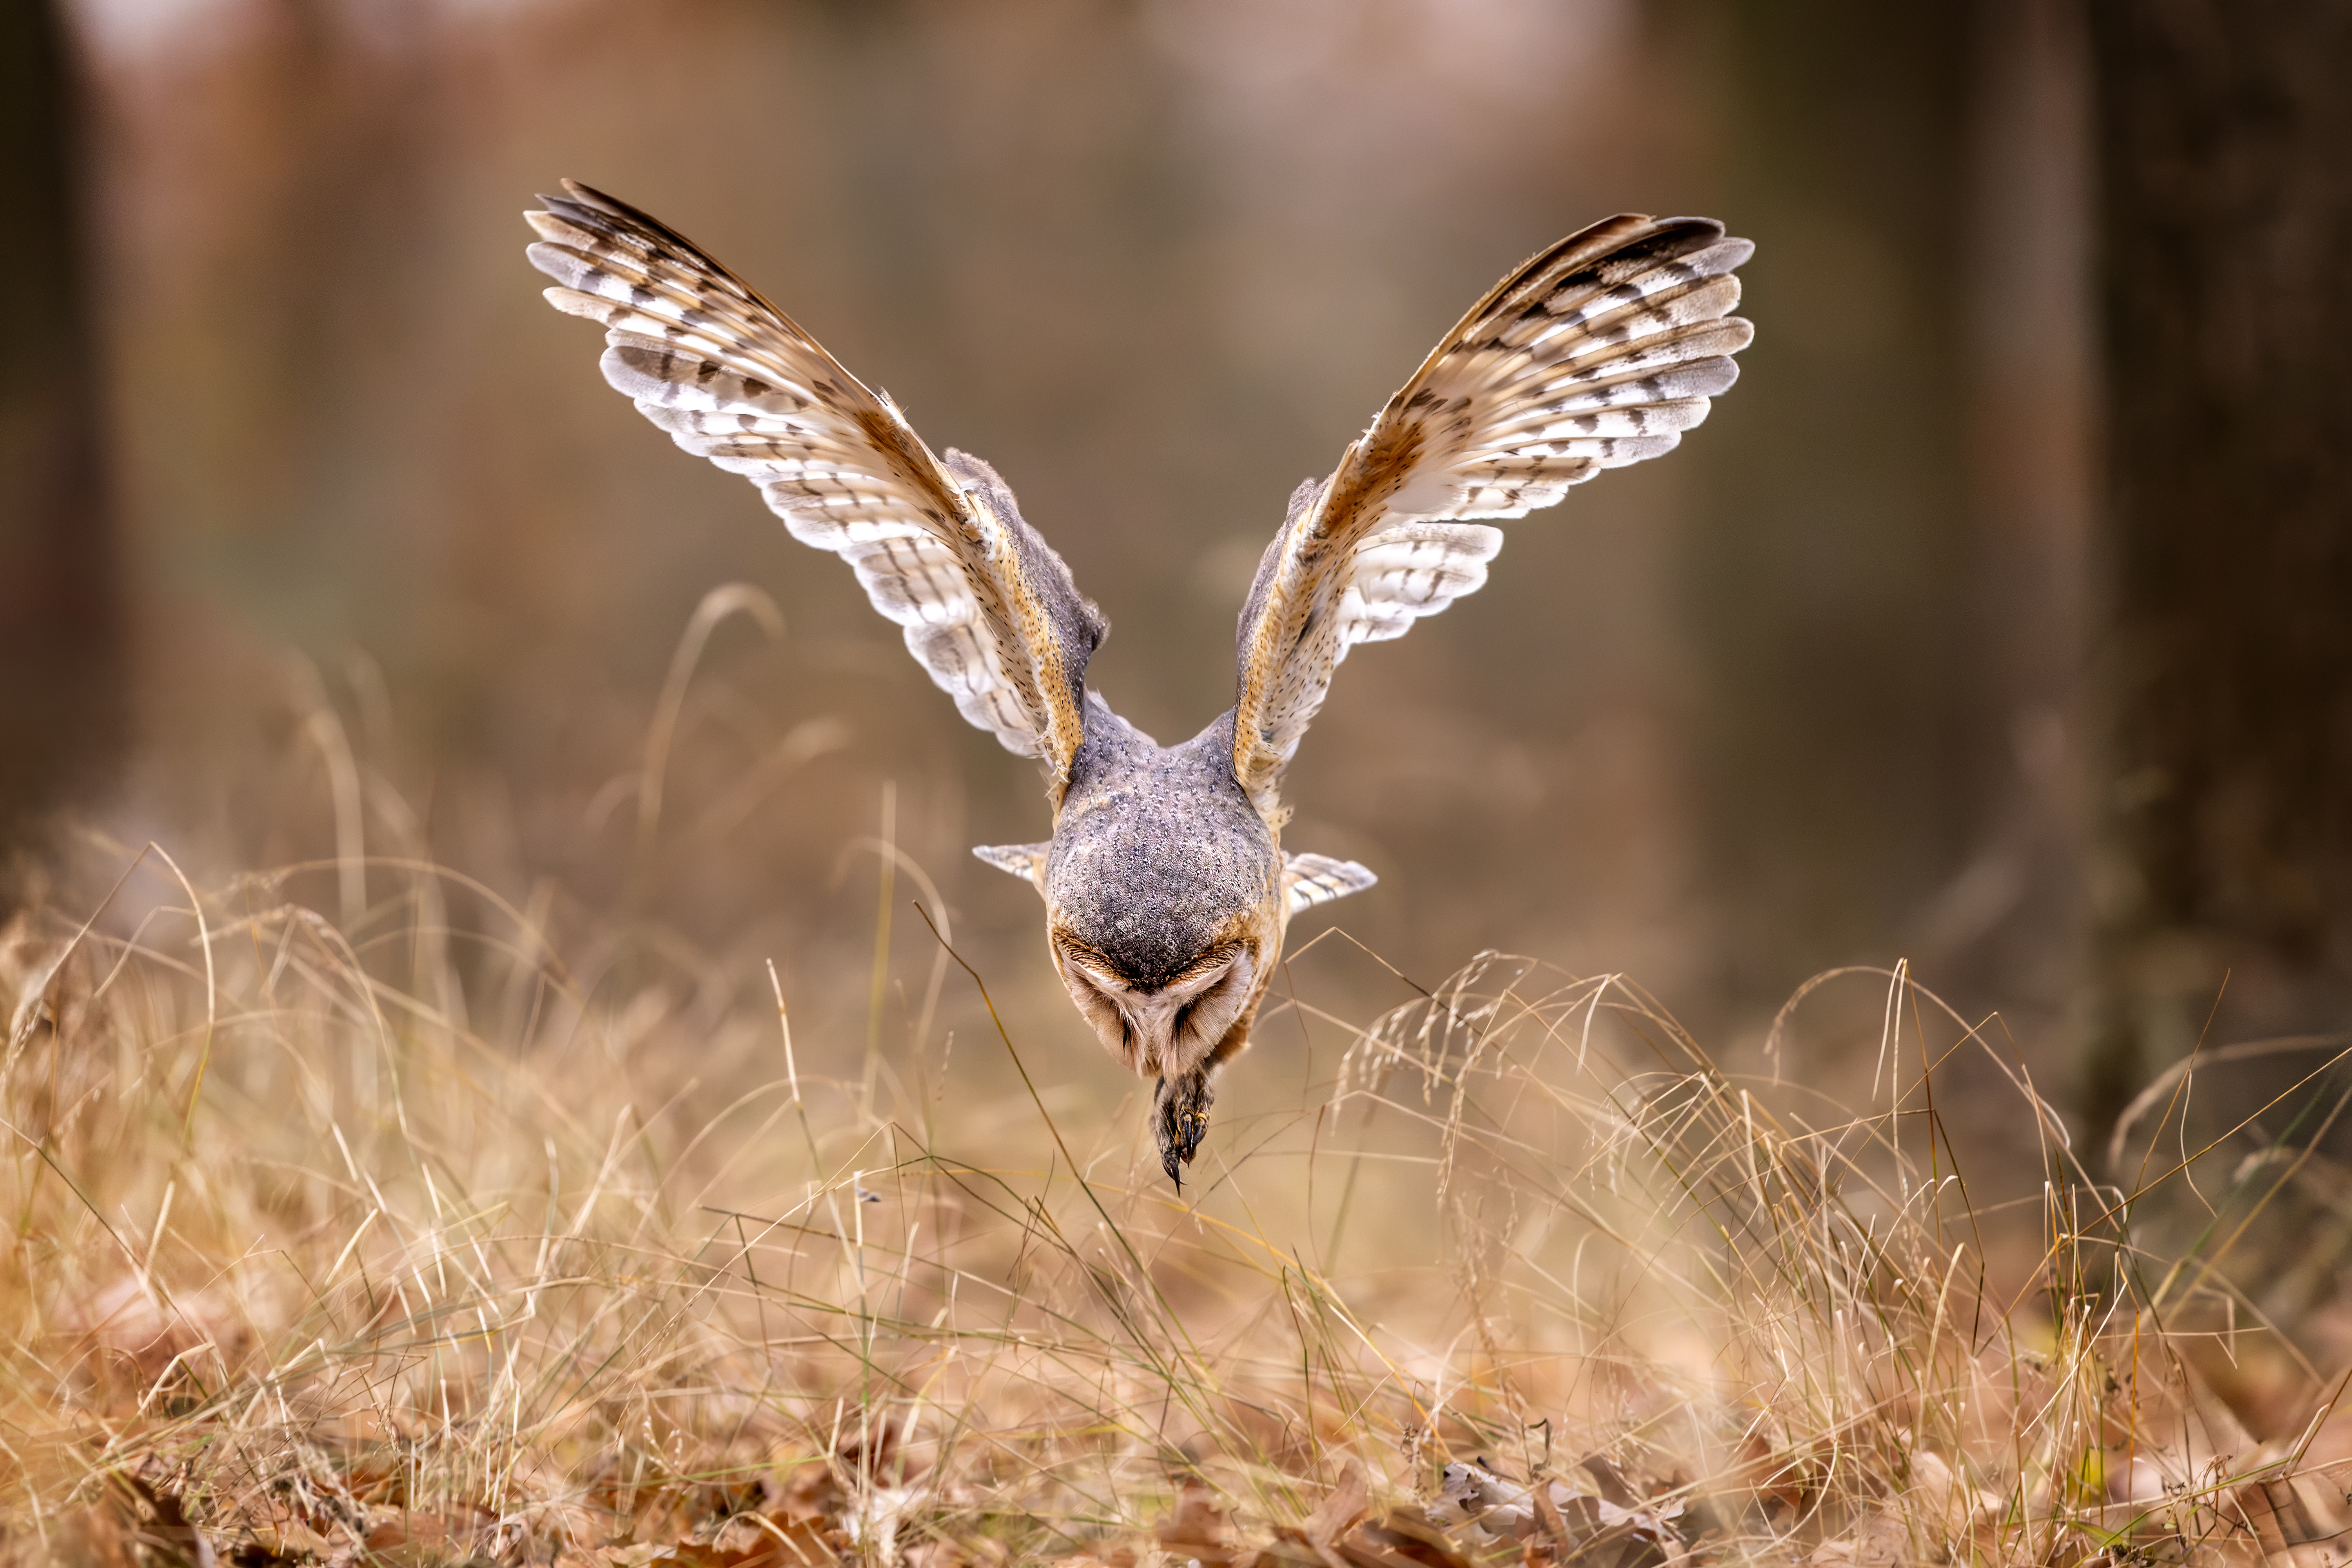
(325, 1245)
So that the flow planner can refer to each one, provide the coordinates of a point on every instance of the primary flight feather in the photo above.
(1166, 891)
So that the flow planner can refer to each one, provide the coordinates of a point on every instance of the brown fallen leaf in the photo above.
(1398, 1538)
(766, 1541)
(1613, 1489)
(161, 1521)
(293, 1539)
(1291, 1549)
(1550, 1526)
(403, 1539)
(1196, 1528)
(1346, 1503)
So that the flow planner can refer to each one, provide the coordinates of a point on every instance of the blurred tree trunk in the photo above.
(1839, 725)
(2224, 140)
(60, 669)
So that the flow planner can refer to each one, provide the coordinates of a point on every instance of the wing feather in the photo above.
(985, 605)
(1309, 880)
(1598, 352)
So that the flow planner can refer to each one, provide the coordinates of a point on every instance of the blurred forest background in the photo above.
(1995, 622)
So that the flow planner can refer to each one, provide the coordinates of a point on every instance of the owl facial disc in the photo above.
(1166, 1029)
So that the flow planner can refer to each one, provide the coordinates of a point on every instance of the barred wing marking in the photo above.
(1409, 570)
(941, 549)
(1310, 879)
(1597, 353)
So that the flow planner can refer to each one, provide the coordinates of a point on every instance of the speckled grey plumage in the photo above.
(1157, 848)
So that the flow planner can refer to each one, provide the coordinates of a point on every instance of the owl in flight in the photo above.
(1167, 889)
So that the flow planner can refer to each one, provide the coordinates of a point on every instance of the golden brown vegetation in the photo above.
(326, 1246)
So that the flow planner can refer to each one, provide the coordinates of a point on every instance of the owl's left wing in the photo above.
(1594, 353)
(941, 548)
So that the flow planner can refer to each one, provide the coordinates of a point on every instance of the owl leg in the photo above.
(1181, 1106)
(1180, 1118)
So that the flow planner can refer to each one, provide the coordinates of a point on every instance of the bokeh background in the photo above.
(1995, 622)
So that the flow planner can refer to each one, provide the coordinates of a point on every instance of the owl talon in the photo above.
(1180, 1120)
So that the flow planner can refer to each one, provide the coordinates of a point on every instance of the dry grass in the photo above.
(325, 1245)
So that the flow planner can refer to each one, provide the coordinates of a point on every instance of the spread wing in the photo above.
(988, 608)
(1597, 353)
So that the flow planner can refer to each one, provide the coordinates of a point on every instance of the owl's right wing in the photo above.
(941, 548)
(1596, 352)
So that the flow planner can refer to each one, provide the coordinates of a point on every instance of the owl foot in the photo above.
(1180, 1116)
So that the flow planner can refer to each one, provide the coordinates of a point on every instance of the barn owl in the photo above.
(1167, 889)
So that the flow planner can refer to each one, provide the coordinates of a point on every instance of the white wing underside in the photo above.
(1597, 353)
(908, 575)
(734, 380)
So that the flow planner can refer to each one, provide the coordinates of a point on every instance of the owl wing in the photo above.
(1594, 353)
(1310, 879)
(941, 548)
